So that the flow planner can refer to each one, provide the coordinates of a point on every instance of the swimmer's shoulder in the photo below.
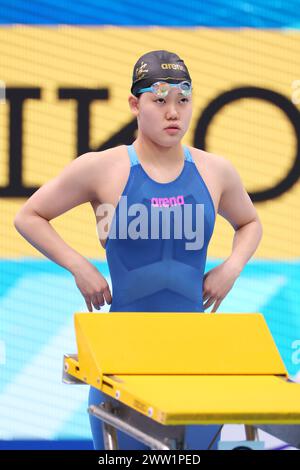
(217, 172)
(211, 163)
(106, 163)
(111, 168)
(214, 161)
(109, 158)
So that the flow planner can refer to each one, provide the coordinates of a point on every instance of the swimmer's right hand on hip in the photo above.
(92, 285)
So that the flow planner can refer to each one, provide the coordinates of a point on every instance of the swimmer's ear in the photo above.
(134, 104)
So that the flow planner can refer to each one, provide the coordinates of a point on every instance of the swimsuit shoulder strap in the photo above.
(187, 154)
(132, 155)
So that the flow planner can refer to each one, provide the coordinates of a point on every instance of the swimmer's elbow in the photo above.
(22, 217)
(19, 220)
(260, 228)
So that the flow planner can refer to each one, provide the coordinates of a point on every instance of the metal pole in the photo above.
(110, 437)
(101, 413)
(251, 433)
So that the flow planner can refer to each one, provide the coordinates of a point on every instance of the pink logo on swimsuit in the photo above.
(167, 201)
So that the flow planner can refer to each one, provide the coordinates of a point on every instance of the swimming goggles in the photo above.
(161, 89)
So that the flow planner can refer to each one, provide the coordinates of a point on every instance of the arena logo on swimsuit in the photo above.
(167, 201)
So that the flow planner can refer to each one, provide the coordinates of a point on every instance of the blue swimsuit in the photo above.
(156, 256)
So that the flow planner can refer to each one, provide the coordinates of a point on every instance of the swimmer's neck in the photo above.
(151, 152)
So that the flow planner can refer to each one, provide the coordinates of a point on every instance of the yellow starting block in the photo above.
(180, 369)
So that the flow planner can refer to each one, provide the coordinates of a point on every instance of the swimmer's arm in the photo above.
(237, 208)
(75, 185)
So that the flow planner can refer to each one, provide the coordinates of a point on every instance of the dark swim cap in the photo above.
(157, 66)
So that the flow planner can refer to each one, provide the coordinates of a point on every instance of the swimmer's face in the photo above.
(155, 114)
